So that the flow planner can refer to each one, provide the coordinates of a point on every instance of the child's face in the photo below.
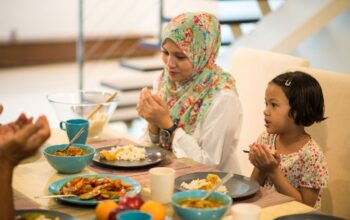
(277, 120)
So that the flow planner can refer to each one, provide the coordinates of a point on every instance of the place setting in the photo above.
(128, 156)
(123, 157)
(238, 187)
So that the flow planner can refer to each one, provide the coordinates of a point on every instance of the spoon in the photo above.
(80, 132)
(53, 196)
(224, 180)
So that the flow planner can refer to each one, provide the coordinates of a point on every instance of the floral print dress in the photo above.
(305, 168)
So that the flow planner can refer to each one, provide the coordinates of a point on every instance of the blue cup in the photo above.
(73, 126)
(134, 215)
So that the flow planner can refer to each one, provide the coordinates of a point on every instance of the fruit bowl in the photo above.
(81, 104)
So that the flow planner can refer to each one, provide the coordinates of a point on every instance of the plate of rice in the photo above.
(237, 187)
(130, 155)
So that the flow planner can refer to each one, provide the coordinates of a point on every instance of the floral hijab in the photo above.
(198, 36)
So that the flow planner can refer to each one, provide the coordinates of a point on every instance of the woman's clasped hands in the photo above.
(153, 109)
(263, 159)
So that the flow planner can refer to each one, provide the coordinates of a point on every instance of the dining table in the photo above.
(33, 176)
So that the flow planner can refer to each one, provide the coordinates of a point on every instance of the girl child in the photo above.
(285, 157)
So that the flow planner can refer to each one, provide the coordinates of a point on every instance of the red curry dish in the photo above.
(99, 188)
(71, 151)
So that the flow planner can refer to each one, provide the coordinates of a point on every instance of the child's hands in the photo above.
(263, 159)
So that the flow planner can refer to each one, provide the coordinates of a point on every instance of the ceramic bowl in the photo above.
(68, 164)
(199, 214)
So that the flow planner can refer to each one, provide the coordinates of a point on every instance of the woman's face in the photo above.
(177, 64)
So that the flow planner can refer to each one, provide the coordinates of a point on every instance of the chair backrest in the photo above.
(333, 136)
(253, 69)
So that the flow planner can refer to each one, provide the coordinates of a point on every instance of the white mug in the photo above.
(245, 211)
(162, 184)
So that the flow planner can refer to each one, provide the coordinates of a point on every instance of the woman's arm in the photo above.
(215, 137)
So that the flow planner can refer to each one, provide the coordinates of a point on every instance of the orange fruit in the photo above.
(156, 209)
(104, 208)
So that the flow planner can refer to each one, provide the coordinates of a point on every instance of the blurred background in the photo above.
(112, 45)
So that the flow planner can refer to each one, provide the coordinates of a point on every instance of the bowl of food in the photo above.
(95, 106)
(188, 205)
(69, 160)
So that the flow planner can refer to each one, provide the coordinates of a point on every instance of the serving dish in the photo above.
(55, 188)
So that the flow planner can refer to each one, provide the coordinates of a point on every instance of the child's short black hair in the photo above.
(305, 97)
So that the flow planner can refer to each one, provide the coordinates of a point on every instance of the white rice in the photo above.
(129, 152)
(199, 183)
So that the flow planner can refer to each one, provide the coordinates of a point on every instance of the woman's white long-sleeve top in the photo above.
(215, 138)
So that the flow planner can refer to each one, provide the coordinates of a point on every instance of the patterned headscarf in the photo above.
(198, 36)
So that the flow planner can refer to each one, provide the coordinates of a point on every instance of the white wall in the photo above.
(329, 49)
(33, 19)
(36, 19)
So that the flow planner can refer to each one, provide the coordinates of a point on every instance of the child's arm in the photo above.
(307, 196)
(258, 176)
(268, 163)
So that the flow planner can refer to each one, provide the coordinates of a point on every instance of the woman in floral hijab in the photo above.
(194, 108)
